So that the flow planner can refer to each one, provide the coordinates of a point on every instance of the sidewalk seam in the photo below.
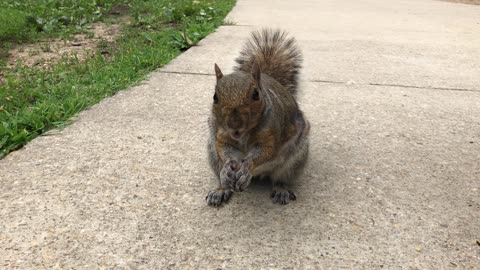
(346, 83)
(400, 86)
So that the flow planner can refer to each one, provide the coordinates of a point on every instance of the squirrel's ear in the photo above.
(218, 72)
(256, 71)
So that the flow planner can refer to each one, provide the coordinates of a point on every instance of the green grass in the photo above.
(51, 17)
(34, 100)
(14, 24)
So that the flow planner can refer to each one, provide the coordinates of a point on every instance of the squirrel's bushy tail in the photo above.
(276, 54)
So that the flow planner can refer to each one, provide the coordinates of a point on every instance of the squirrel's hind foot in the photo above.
(282, 196)
(218, 196)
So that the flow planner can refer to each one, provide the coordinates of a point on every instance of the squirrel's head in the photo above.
(238, 102)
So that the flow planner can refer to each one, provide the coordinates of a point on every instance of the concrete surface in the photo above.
(392, 90)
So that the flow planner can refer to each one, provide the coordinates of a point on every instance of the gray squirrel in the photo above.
(256, 127)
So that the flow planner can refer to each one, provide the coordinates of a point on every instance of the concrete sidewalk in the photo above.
(392, 90)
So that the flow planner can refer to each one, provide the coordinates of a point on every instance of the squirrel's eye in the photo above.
(255, 95)
(215, 99)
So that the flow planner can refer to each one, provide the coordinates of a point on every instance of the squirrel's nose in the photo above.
(235, 121)
(234, 124)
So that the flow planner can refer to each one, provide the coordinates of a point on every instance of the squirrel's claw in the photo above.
(219, 196)
(282, 196)
(244, 177)
(243, 182)
(228, 175)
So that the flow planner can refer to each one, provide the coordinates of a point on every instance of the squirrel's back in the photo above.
(276, 54)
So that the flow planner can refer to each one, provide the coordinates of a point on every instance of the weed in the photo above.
(229, 22)
(45, 46)
(103, 44)
(33, 52)
(90, 34)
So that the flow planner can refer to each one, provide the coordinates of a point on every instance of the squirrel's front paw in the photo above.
(218, 196)
(228, 174)
(244, 177)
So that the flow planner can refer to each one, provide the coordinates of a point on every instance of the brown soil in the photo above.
(471, 2)
(46, 53)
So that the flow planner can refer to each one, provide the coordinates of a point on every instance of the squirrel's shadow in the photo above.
(317, 182)
(261, 185)
(317, 190)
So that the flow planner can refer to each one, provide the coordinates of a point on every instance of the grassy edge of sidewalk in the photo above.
(34, 100)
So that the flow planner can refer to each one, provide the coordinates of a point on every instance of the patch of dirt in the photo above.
(49, 52)
(470, 2)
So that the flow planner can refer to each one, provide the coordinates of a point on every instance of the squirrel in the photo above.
(257, 129)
